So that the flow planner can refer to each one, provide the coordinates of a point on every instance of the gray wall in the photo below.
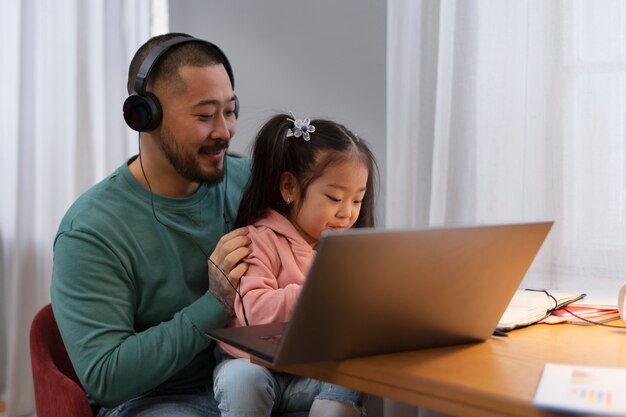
(317, 58)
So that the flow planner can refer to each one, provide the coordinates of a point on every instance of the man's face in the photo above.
(198, 123)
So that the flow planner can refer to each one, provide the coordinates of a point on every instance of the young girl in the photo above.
(307, 177)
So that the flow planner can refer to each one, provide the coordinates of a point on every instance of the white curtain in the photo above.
(513, 111)
(62, 85)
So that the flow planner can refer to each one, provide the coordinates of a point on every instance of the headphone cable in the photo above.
(236, 289)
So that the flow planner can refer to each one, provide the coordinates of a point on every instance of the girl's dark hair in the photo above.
(275, 153)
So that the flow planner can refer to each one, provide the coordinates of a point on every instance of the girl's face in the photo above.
(331, 202)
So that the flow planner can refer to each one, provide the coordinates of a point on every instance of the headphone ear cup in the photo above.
(142, 112)
(236, 107)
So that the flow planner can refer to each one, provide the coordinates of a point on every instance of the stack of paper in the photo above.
(529, 307)
(598, 306)
(581, 315)
(582, 389)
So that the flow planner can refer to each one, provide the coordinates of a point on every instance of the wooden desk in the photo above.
(494, 378)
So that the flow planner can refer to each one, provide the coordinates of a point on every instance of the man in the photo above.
(130, 278)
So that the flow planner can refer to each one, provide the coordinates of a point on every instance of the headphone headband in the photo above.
(152, 58)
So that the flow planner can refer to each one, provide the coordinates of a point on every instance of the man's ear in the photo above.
(288, 187)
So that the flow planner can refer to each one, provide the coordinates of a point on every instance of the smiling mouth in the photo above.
(213, 150)
(338, 227)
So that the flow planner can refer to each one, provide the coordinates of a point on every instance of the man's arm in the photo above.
(97, 302)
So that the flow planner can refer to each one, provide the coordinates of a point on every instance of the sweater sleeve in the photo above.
(95, 303)
(272, 283)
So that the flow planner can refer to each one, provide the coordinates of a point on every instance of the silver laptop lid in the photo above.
(372, 291)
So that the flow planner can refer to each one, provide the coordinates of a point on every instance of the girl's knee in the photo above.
(241, 371)
(241, 385)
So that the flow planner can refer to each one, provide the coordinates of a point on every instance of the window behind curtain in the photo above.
(594, 151)
(513, 111)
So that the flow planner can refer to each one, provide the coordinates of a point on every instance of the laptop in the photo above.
(375, 291)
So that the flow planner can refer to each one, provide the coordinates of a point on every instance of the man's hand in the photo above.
(231, 249)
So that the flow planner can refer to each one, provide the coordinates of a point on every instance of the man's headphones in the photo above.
(142, 110)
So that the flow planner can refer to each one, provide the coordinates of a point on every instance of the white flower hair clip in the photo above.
(300, 128)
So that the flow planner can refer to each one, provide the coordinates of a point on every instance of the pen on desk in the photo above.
(501, 333)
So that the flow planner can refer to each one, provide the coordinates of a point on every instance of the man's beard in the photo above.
(186, 164)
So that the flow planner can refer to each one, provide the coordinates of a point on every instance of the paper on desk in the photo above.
(599, 299)
(574, 314)
(528, 307)
(582, 389)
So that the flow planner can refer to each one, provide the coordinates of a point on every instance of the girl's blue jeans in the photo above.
(244, 389)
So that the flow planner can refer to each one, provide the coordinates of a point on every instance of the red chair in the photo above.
(58, 391)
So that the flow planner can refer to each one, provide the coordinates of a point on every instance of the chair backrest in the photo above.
(58, 391)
